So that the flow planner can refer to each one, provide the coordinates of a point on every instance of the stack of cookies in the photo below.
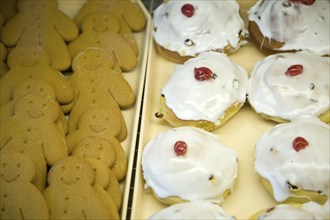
(62, 95)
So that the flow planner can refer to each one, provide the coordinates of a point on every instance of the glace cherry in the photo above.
(299, 143)
(304, 2)
(188, 10)
(180, 148)
(203, 73)
(294, 70)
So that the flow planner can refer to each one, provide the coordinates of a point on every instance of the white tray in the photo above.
(241, 133)
(136, 79)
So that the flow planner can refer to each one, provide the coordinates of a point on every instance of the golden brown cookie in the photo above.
(41, 23)
(129, 15)
(71, 193)
(33, 62)
(78, 138)
(102, 181)
(95, 122)
(100, 30)
(101, 149)
(94, 71)
(29, 86)
(33, 131)
(96, 85)
(19, 197)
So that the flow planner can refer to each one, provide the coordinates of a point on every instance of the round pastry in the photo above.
(183, 29)
(310, 210)
(193, 210)
(188, 156)
(284, 86)
(204, 92)
(291, 25)
(293, 161)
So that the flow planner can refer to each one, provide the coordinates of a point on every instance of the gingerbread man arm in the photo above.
(121, 90)
(12, 31)
(55, 147)
(65, 26)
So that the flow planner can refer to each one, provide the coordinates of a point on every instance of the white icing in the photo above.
(212, 27)
(191, 99)
(299, 26)
(275, 94)
(310, 210)
(188, 176)
(278, 162)
(193, 210)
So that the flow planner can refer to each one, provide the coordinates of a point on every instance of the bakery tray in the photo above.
(240, 133)
(136, 79)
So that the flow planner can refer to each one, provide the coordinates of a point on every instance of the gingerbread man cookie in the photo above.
(100, 30)
(96, 122)
(33, 131)
(20, 199)
(29, 86)
(110, 155)
(33, 62)
(96, 85)
(71, 195)
(129, 15)
(102, 181)
(41, 23)
(129, 11)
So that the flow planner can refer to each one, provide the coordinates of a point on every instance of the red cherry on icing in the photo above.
(294, 70)
(188, 10)
(308, 2)
(299, 143)
(203, 73)
(304, 2)
(180, 148)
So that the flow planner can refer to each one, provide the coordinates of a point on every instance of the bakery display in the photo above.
(287, 85)
(291, 25)
(293, 161)
(44, 87)
(188, 155)
(204, 92)
(192, 210)
(72, 133)
(310, 210)
(183, 29)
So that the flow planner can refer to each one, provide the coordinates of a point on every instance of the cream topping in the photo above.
(193, 210)
(191, 99)
(284, 167)
(297, 25)
(274, 93)
(214, 25)
(209, 167)
(310, 210)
